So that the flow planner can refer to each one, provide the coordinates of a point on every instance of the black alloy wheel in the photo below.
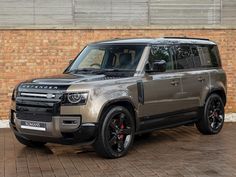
(213, 117)
(119, 132)
(116, 133)
(215, 113)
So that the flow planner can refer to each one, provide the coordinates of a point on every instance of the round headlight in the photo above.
(74, 97)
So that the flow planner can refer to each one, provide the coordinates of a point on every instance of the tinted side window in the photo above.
(184, 58)
(215, 56)
(204, 56)
(196, 57)
(209, 56)
(159, 53)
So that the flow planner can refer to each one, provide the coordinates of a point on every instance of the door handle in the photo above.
(201, 79)
(174, 83)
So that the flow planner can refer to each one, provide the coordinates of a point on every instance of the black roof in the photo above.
(163, 41)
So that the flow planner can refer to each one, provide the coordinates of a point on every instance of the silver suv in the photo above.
(116, 89)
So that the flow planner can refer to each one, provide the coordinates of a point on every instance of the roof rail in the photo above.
(184, 37)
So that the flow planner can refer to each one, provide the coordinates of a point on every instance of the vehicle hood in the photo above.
(71, 82)
(68, 79)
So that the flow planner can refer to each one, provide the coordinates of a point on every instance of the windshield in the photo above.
(115, 58)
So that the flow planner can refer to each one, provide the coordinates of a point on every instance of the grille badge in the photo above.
(49, 96)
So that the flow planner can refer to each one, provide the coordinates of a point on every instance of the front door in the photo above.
(162, 90)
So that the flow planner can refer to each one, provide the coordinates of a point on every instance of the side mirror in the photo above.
(157, 66)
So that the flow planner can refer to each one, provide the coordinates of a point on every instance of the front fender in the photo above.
(98, 99)
(112, 97)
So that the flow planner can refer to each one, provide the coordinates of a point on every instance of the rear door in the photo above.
(194, 79)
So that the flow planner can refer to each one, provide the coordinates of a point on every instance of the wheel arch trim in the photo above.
(220, 91)
(119, 102)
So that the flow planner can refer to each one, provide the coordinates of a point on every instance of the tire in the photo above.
(115, 133)
(212, 119)
(30, 143)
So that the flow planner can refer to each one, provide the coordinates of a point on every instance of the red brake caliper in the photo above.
(121, 136)
(216, 114)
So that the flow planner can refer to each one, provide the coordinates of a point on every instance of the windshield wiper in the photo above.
(118, 70)
(99, 71)
(90, 70)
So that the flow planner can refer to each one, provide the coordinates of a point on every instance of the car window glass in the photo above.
(184, 59)
(94, 59)
(205, 56)
(196, 57)
(159, 53)
(109, 57)
(214, 53)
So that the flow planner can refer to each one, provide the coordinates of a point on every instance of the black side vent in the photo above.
(140, 92)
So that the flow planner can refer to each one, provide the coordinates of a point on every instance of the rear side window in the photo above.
(206, 56)
(184, 59)
(196, 58)
(191, 56)
(215, 56)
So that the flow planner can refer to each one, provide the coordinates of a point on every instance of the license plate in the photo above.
(31, 125)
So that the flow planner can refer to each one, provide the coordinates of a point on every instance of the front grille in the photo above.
(38, 102)
(37, 109)
(38, 95)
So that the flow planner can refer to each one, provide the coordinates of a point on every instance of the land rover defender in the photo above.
(116, 89)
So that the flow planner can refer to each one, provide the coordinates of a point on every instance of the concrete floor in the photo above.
(179, 152)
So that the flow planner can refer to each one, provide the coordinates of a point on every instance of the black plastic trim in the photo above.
(140, 88)
(85, 134)
(172, 119)
(37, 110)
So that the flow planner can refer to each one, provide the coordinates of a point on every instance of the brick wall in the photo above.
(26, 54)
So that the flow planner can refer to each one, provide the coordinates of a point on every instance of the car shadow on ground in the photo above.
(155, 138)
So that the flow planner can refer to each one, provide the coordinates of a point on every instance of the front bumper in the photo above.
(62, 130)
(39, 118)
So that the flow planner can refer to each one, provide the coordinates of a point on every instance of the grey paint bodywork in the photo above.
(165, 92)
